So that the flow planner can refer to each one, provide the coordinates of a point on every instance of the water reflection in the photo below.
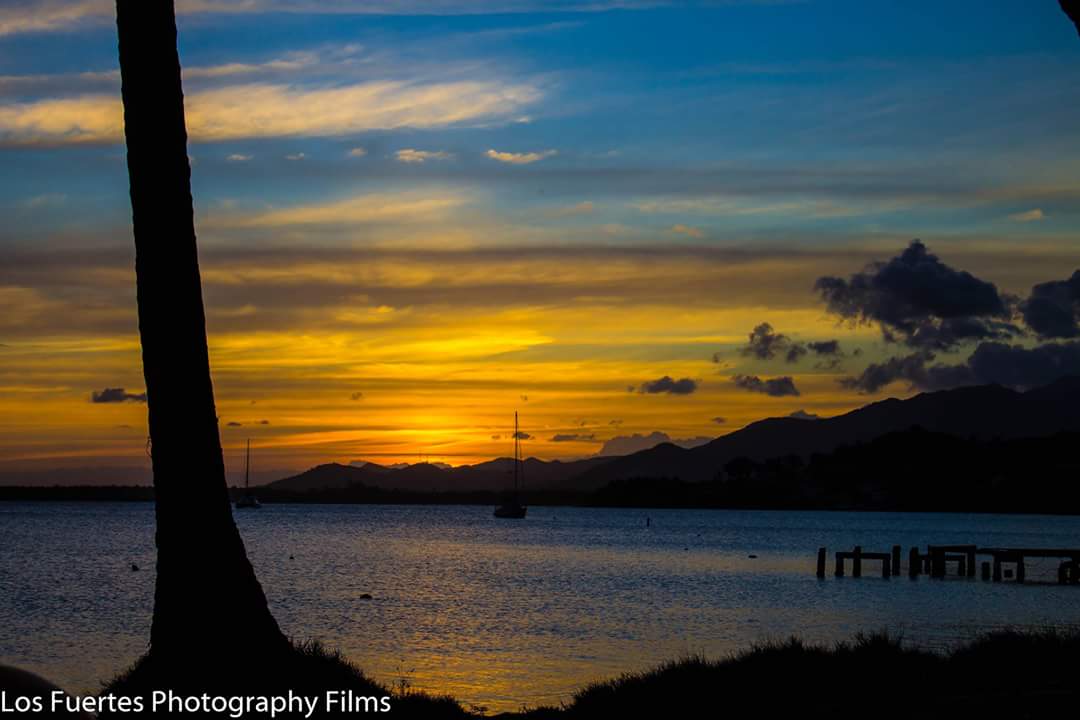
(502, 615)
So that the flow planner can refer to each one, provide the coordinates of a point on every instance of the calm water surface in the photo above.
(505, 613)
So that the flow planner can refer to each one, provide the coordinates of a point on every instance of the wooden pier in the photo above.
(939, 559)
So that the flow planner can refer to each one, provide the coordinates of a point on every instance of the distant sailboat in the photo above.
(248, 500)
(512, 508)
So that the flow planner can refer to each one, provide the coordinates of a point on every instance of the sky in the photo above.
(614, 217)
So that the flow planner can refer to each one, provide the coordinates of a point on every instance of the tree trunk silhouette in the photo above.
(206, 590)
(1072, 9)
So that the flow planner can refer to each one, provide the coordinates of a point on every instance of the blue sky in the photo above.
(651, 178)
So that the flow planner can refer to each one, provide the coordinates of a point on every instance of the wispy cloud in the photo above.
(688, 230)
(378, 207)
(411, 155)
(519, 158)
(238, 157)
(269, 110)
(25, 16)
(357, 152)
(1029, 216)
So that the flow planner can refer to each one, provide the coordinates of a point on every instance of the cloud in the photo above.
(825, 347)
(917, 299)
(46, 200)
(1014, 366)
(376, 207)
(233, 423)
(719, 420)
(1053, 309)
(296, 156)
(237, 157)
(409, 155)
(116, 395)
(773, 387)
(357, 152)
(573, 437)
(264, 422)
(668, 385)
(265, 110)
(765, 344)
(519, 158)
(65, 15)
(1035, 215)
(693, 232)
(803, 415)
(582, 208)
(629, 444)
(356, 396)
(521, 435)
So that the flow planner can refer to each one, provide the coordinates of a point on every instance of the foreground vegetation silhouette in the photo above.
(1007, 674)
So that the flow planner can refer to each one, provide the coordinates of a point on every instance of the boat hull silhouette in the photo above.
(511, 511)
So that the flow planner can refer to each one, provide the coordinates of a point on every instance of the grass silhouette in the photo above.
(1004, 674)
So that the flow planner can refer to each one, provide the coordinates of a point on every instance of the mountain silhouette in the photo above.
(983, 412)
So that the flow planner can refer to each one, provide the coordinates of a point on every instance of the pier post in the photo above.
(937, 562)
(1063, 573)
(839, 565)
(914, 563)
(886, 568)
(986, 570)
(856, 562)
(895, 559)
(822, 555)
(1020, 569)
(961, 567)
(997, 568)
(971, 562)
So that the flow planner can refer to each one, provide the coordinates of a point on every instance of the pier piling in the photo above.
(822, 555)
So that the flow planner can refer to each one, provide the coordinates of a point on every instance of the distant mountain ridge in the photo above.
(983, 412)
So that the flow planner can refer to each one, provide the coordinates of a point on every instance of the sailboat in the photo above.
(248, 500)
(512, 508)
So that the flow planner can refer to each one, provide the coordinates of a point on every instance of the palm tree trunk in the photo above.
(206, 588)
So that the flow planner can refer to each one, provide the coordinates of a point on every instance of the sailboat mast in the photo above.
(247, 466)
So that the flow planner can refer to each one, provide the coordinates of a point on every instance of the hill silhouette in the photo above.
(981, 413)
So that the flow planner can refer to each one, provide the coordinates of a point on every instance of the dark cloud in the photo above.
(911, 368)
(765, 343)
(1014, 366)
(116, 395)
(920, 301)
(774, 387)
(719, 420)
(496, 437)
(357, 396)
(803, 415)
(234, 424)
(573, 437)
(666, 384)
(825, 347)
(521, 435)
(1053, 310)
(264, 422)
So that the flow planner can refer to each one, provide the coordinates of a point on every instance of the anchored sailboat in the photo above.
(248, 500)
(512, 508)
